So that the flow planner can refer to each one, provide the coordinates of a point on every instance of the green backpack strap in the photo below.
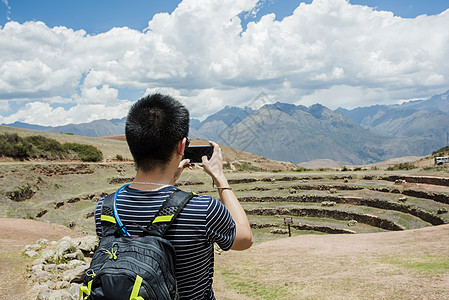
(108, 222)
(168, 212)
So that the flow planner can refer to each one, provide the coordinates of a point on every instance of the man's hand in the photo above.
(214, 165)
(185, 163)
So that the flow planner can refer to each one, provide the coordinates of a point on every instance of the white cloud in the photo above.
(93, 95)
(8, 9)
(328, 51)
(42, 113)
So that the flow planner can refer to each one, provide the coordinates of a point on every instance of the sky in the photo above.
(72, 61)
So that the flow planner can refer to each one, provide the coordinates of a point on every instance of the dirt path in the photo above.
(14, 235)
(410, 264)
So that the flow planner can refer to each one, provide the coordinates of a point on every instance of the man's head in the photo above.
(154, 127)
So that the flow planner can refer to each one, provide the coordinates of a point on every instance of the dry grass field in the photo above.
(391, 242)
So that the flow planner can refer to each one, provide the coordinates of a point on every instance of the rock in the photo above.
(78, 254)
(328, 203)
(332, 190)
(442, 211)
(60, 295)
(74, 290)
(76, 263)
(58, 204)
(61, 267)
(39, 261)
(64, 247)
(31, 253)
(48, 255)
(279, 231)
(59, 285)
(352, 223)
(44, 293)
(35, 247)
(41, 213)
(76, 275)
(86, 244)
(49, 267)
(42, 242)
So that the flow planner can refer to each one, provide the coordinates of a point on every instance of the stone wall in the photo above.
(59, 267)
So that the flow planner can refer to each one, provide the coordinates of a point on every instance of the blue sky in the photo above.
(101, 15)
(62, 61)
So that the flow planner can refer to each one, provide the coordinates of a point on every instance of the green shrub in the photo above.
(402, 166)
(119, 157)
(84, 152)
(46, 147)
(22, 193)
(227, 166)
(243, 166)
(441, 152)
(38, 146)
(12, 145)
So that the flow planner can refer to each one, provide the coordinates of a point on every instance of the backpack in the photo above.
(134, 267)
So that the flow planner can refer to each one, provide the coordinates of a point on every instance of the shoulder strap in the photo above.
(168, 212)
(108, 221)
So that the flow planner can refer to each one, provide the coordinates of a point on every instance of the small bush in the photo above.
(227, 166)
(441, 152)
(12, 145)
(22, 193)
(402, 166)
(84, 152)
(119, 157)
(245, 166)
(46, 147)
(301, 169)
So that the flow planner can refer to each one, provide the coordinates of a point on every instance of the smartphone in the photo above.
(195, 153)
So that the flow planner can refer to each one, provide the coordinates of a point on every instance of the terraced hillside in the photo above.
(340, 202)
(318, 202)
(358, 200)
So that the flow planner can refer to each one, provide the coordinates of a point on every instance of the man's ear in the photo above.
(181, 146)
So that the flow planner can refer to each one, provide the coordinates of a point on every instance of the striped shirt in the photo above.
(202, 222)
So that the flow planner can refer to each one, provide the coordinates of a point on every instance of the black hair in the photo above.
(154, 126)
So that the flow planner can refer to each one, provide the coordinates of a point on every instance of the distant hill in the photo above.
(93, 129)
(300, 134)
(297, 133)
(423, 118)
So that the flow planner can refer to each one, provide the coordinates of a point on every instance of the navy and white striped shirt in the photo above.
(202, 222)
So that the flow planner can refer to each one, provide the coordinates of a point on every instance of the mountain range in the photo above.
(297, 133)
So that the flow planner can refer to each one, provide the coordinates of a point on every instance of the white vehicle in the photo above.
(441, 160)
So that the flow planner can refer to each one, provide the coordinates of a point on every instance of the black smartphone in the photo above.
(196, 152)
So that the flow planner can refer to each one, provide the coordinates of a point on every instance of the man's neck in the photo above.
(154, 179)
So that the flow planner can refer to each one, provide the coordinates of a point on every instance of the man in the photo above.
(157, 127)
